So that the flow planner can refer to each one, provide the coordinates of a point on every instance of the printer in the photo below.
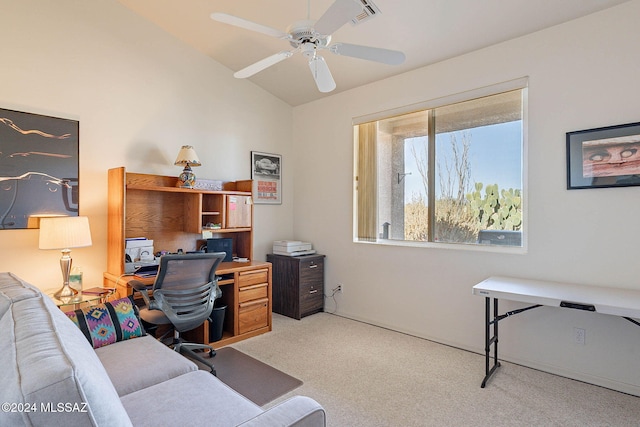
(292, 248)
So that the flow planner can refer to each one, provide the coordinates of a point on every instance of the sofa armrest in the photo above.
(299, 411)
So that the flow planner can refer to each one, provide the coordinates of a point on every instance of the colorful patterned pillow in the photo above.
(104, 324)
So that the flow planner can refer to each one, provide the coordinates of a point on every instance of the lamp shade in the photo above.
(187, 156)
(64, 232)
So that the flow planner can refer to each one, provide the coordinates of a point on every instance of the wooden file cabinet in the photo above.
(298, 284)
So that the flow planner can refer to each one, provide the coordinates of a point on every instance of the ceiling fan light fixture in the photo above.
(308, 49)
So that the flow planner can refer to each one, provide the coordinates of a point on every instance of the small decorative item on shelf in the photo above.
(187, 157)
(208, 184)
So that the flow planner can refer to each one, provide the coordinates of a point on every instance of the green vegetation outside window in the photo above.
(452, 173)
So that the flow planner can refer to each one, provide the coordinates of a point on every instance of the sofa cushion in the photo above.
(13, 289)
(46, 360)
(193, 399)
(143, 362)
(107, 323)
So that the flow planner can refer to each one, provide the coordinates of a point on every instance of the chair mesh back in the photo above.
(186, 288)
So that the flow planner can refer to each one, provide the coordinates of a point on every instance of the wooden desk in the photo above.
(178, 218)
(604, 300)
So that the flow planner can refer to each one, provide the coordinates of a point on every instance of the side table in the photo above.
(80, 298)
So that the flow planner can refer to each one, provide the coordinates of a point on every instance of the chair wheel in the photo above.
(212, 353)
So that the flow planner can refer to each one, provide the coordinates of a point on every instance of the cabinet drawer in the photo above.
(248, 278)
(311, 299)
(312, 271)
(253, 315)
(248, 293)
(311, 289)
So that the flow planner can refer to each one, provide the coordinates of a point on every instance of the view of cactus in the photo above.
(462, 208)
(495, 209)
(491, 209)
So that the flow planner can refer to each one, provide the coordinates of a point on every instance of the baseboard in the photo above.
(575, 375)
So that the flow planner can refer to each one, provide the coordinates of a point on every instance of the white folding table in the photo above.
(604, 300)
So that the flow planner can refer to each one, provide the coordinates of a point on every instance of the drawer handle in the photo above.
(252, 287)
(262, 301)
(313, 266)
(313, 291)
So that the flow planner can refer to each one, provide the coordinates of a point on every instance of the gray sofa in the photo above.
(51, 376)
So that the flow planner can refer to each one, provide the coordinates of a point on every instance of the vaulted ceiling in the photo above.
(427, 31)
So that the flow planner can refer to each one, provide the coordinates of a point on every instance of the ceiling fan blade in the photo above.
(262, 64)
(338, 14)
(321, 74)
(386, 56)
(248, 25)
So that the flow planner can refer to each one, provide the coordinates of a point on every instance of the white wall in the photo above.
(582, 74)
(139, 94)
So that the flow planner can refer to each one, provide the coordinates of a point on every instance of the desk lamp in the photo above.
(187, 157)
(65, 232)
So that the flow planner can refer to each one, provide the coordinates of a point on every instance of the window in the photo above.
(450, 173)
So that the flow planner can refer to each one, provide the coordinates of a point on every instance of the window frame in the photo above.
(516, 84)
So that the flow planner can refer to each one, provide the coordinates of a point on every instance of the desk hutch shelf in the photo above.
(152, 206)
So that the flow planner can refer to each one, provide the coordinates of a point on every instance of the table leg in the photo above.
(489, 340)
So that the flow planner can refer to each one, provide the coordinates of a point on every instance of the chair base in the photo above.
(187, 349)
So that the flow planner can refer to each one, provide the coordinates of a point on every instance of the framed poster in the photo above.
(266, 173)
(604, 157)
(38, 168)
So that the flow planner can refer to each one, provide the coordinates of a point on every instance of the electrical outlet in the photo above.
(579, 336)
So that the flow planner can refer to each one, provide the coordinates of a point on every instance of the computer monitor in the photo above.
(221, 245)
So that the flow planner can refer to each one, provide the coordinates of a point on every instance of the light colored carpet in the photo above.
(369, 376)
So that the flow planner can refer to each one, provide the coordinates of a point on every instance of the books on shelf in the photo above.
(98, 291)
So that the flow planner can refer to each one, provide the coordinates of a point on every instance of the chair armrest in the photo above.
(299, 411)
(137, 285)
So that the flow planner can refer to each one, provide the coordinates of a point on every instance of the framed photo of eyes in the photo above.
(604, 157)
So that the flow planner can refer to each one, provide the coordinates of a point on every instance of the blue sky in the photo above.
(495, 156)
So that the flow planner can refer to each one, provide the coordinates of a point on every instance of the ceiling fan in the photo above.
(309, 37)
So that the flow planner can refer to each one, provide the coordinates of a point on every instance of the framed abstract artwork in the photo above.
(604, 157)
(38, 168)
(266, 170)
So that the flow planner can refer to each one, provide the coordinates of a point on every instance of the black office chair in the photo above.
(183, 295)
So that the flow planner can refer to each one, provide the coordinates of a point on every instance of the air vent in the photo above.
(369, 11)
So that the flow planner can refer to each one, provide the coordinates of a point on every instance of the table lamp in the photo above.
(65, 232)
(187, 157)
